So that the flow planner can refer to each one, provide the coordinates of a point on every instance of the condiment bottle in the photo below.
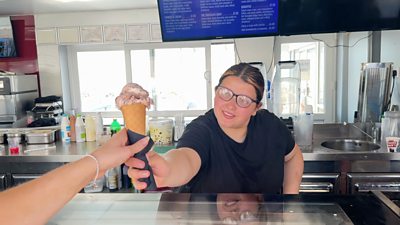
(99, 126)
(112, 179)
(90, 128)
(65, 129)
(72, 121)
(80, 129)
(115, 127)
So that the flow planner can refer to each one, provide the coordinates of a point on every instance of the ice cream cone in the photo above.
(135, 117)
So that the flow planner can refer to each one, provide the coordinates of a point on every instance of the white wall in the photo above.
(357, 54)
(390, 48)
(49, 69)
(256, 50)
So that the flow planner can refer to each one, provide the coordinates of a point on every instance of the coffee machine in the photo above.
(17, 94)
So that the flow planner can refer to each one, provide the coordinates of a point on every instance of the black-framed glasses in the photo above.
(227, 94)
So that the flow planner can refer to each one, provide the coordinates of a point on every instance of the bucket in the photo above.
(161, 131)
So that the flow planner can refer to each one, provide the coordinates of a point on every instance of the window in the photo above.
(173, 76)
(179, 79)
(316, 80)
(101, 76)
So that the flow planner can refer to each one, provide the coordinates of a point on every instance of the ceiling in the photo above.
(29, 7)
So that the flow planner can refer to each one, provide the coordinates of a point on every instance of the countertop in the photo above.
(174, 208)
(67, 152)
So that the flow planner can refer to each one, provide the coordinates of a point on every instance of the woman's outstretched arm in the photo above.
(36, 201)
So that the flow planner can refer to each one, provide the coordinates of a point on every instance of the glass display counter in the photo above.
(173, 208)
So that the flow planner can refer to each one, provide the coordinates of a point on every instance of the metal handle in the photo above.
(378, 186)
(316, 187)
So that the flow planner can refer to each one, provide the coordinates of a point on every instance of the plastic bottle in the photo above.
(303, 128)
(65, 129)
(99, 126)
(80, 129)
(112, 179)
(115, 127)
(72, 121)
(90, 126)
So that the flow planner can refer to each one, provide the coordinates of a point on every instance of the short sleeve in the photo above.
(197, 136)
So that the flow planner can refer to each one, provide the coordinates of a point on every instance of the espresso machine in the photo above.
(17, 94)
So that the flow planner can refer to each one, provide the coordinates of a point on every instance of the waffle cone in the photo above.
(135, 117)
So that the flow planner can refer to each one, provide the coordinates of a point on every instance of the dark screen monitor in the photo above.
(325, 16)
(183, 20)
(7, 43)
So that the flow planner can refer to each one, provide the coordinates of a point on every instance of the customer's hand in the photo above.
(115, 151)
(157, 163)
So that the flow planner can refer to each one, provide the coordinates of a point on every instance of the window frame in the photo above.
(329, 70)
(73, 76)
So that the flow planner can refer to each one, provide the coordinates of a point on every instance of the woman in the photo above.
(235, 147)
(36, 201)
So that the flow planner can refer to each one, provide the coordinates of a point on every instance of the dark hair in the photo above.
(248, 74)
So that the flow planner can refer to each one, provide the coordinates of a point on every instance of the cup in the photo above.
(13, 144)
(303, 131)
(392, 144)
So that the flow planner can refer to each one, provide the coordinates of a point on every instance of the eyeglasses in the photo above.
(226, 94)
(244, 217)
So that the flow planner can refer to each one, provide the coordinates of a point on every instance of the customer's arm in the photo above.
(36, 201)
(294, 166)
(172, 169)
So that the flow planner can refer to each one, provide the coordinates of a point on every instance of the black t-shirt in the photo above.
(254, 166)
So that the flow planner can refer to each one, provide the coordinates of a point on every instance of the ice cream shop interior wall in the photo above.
(109, 47)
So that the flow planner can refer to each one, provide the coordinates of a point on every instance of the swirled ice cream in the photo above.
(133, 93)
(133, 102)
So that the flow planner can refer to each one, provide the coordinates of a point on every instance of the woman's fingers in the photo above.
(135, 163)
(135, 175)
(139, 145)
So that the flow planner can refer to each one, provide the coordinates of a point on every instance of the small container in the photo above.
(14, 140)
(303, 129)
(40, 137)
(161, 131)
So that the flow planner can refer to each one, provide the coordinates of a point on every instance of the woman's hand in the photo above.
(157, 163)
(115, 151)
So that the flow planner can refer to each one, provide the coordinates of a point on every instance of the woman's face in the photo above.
(228, 113)
(232, 208)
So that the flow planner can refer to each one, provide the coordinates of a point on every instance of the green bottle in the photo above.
(115, 127)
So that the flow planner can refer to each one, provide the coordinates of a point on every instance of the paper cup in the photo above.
(392, 143)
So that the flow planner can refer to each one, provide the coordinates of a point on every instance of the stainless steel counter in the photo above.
(67, 152)
(62, 152)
